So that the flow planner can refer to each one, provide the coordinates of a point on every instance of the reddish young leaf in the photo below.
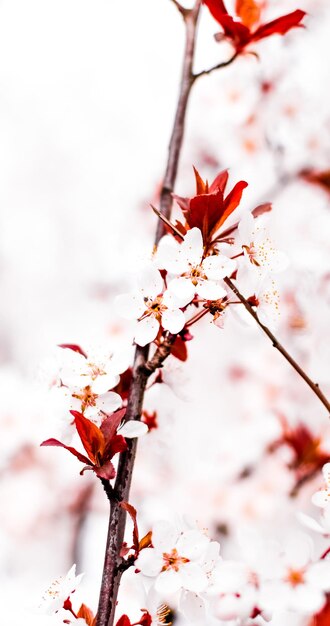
(55, 442)
(91, 436)
(114, 446)
(216, 8)
(124, 384)
(74, 347)
(204, 212)
(220, 182)
(231, 203)
(201, 187)
(86, 614)
(106, 470)
(110, 424)
(179, 349)
(132, 513)
(280, 26)
(124, 621)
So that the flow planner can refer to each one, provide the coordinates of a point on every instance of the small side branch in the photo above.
(314, 386)
(219, 66)
(180, 8)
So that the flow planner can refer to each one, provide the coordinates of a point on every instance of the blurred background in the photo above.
(87, 97)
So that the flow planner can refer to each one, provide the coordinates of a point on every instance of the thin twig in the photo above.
(314, 386)
(180, 8)
(216, 67)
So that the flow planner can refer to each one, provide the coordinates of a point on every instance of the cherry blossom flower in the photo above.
(98, 369)
(195, 274)
(151, 307)
(297, 583)
(177, 559)
(322, 526)
(234, 590)
(259, 250)
(322, 498)
(59, 591)
(263, 295)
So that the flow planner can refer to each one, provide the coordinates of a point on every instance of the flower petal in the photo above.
(218, 266)
(193, 577)
(168, 582)
(210, 290)
(150, 281)
(146, 331)
(173, 321)
(149, 562)
(133, 428)
(182, 289)
(130, 305)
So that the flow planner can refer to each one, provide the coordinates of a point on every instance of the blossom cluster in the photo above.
(186, 277)
(181, 572)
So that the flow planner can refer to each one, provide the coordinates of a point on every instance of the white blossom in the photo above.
(194, 273)
(151, 307)
(59, 591)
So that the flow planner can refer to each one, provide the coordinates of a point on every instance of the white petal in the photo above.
(182, 289)
(173, 321)
(146, 331)
(192, 544)
(149, 562)
(150, 281)
(104, 382)
(218, 266)
(192, 246)
(133, 428)
(230, 576)
(246, 228)
(193, 578)
(130, 305)
(192, 607)
(307, 599)
(321, 498)
(168, 582)
(210, 290)
(318, 575)
(311, 523)
(168, 256)
(326, 473)
(109, 402)
(164, 536)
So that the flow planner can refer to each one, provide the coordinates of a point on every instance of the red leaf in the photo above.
(146, 619)
(201, 187)
(280, 26)
(231, 203)
(124, 384)
(204, 212)
(110, 424)
(74, 347)
(91, 436)
(216, 8)
(106, 471)
(146, 541)
(55, 442)
(179, 349)
(114, 446)
(132, 513)
(322, 618)
(219, 182)
(237, 32)
(124, 621)
(86, 614)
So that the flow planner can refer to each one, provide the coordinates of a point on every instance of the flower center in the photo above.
(197, 273)
(295, 577)
(94, 371)
(251, 253)
(173, 561)
(154, 307)
(87, 398)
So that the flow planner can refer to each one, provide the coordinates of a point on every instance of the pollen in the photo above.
(173, 561)
(295, 577)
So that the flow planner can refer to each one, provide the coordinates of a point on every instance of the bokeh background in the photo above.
(87, 96)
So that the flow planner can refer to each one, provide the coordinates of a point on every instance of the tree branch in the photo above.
(314, 386)
(142, 368)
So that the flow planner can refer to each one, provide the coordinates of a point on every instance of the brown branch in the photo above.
(216, 67)
(142, 368)
(314, 386)
(180, 8)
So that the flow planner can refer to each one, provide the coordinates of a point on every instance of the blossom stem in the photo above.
(216, 67)
(142, 368)
(314, 386)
